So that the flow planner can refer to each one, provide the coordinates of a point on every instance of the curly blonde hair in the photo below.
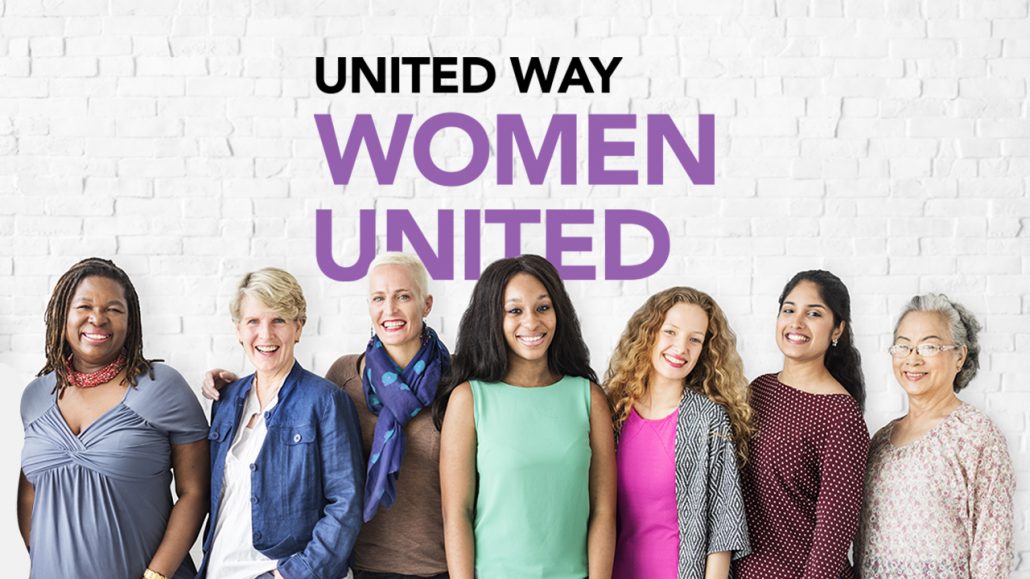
(719, 373)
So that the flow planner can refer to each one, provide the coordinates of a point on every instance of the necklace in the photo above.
(98, 377)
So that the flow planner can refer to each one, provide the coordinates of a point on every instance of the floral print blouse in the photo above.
(940, 506)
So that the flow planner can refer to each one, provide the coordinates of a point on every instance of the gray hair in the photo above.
(275, 288)
(414, 265)
(964, 330)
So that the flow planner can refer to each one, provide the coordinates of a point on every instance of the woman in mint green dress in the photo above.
(527, 456)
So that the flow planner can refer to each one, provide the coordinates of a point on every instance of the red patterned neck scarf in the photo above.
(94, 379)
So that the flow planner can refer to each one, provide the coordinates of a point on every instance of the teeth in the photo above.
(392, 325)
(95, 336)
(266, 349)
(797, 338)
(675, 361)
(531, 340)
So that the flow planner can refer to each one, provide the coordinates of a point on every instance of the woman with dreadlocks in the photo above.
(105, 428)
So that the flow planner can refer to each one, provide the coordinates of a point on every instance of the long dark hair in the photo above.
(57, 348)
(843, 360)
(481, 352)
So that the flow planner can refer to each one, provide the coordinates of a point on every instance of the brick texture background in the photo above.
(885, 140)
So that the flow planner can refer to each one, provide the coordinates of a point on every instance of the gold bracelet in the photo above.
(151, 574)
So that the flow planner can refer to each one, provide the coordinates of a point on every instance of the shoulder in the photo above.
(769, 379)
(763, 383)
(462, 394)
(345, 370)
(702, 406)
(162, 383)
(976, 429)
(164, 399)
(37, 397)
(882, 435)
(842, 413)
(318, 387)
(699, 408)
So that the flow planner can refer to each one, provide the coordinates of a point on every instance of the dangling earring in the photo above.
(834, 342)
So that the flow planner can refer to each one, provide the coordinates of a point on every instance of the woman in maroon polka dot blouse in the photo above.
(803, 482)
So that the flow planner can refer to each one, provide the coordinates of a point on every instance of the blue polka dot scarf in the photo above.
(396, 396)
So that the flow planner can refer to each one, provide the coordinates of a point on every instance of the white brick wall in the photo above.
(888, 141)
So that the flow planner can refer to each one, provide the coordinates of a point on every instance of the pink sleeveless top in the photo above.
(648, 538)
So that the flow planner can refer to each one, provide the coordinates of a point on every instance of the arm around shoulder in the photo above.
(458, 481)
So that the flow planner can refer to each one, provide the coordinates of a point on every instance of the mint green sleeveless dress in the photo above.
(533, 462)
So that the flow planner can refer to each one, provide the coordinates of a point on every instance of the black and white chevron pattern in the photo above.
(711, 509)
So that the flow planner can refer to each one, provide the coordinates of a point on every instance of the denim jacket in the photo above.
(307, 482)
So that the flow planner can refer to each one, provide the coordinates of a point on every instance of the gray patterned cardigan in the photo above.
(708, 498)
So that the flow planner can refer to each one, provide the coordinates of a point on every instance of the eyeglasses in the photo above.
(924, 350)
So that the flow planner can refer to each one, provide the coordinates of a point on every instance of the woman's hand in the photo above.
(214, 380)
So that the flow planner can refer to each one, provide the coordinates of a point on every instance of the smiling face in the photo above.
(97, 323)
(529, 318)
(395, 306)
(678, 344)
(804, 327)
(267, 336)
(926, 375)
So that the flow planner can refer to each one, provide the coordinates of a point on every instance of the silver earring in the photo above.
(834, 342)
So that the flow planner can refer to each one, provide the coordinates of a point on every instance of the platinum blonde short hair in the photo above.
(419, 275)
(274, 287)
(964, 330)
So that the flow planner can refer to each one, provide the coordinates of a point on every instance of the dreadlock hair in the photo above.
(719, 374)
(57, 348)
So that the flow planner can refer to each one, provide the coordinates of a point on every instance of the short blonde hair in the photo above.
(416, 269)
(274, 287)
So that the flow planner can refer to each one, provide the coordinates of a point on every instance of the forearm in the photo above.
(717, 566)
(601, 545)
(184, 524)
(459, 546)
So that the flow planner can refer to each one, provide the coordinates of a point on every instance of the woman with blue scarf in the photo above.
(391, 383)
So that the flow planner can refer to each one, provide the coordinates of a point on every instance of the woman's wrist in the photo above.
(151, 574)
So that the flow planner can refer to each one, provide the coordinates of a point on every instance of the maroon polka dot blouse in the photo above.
(802, 483)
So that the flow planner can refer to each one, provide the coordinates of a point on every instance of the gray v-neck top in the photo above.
(103, 497)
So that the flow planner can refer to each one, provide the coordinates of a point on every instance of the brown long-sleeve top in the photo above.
(802, 482)
(406, 538)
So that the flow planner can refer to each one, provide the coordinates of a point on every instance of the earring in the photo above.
(834, 342)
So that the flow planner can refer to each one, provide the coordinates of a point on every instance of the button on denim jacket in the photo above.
(307, 482)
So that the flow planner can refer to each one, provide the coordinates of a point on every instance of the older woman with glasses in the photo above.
(939, 482)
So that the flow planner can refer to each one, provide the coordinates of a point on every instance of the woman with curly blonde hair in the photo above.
(679, 395)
